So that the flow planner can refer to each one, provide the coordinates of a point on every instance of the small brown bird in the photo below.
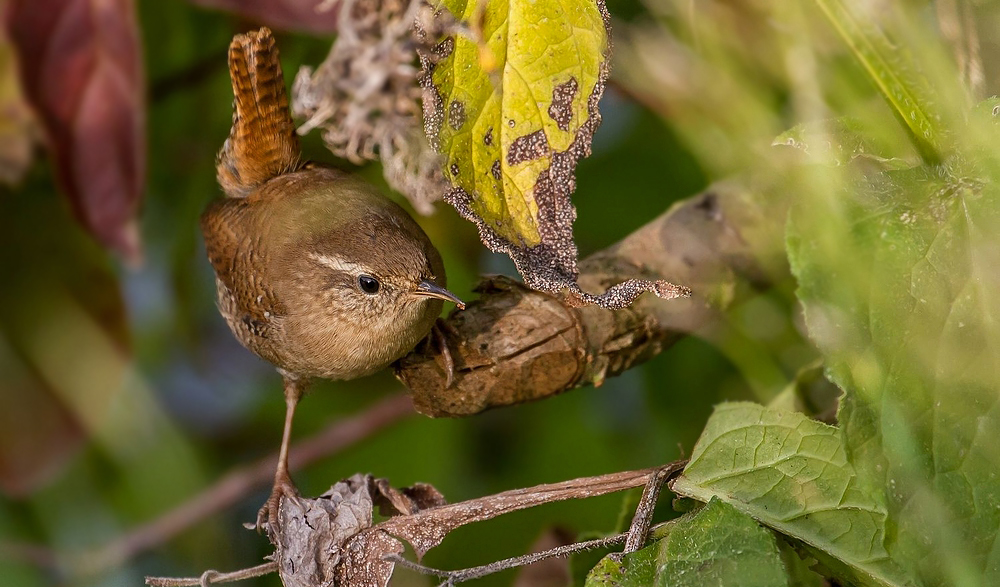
(316, 271)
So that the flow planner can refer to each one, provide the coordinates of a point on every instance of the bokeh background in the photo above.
(123, 394)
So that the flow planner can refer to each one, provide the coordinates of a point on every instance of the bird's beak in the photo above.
(433, 290)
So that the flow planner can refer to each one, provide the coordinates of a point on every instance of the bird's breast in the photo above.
(334, 344)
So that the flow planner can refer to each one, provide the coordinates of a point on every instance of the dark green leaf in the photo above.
(791, 473)
(716, 546)
(900, 293)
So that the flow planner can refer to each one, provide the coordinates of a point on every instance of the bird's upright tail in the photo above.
(262, 143)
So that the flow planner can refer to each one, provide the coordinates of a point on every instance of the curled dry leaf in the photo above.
(320, 541)
(313, 16)
(322, 525)
(365, 96)
(81, 67)
(513, 127)
(406, 501)
(426, 529)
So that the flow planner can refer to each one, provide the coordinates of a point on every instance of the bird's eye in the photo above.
(368, 284)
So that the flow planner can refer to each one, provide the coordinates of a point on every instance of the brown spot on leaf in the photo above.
(551, 265)
(488, 139)
(528, 147)
(495, 170)
(561, 109)
(456, 114)
(454, 168)
(443, 49)
(433, 106)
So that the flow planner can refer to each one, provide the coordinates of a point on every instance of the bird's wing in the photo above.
(239, 266)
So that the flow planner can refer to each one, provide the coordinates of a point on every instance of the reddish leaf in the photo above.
(81, 68)
(299, 15)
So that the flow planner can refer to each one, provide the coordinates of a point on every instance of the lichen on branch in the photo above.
(515, 345)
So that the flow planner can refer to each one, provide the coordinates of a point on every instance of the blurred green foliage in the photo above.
(700, 92)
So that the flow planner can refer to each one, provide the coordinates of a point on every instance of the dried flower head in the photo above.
(365, 96)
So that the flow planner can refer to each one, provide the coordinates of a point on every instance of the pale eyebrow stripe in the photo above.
(339, 264)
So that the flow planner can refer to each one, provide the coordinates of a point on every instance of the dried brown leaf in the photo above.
(365, 563)
(310, 538)
(81, 67)
(406, 501)
(426, 529)
(330, 541)
(327, 540)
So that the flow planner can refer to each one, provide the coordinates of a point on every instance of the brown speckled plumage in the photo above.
(293, 310)
(292, 244)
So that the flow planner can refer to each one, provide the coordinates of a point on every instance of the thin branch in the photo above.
(213, 577)
(40, 556)
(237, 484)
(316, 544)
(638, 531)
(462, 575)
(634, 539)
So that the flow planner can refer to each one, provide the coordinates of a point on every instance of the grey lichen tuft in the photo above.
(365, 96)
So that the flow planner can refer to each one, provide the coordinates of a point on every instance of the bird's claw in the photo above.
(439, 337)
(267, 516)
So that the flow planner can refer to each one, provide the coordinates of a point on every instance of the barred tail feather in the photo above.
(262, 143)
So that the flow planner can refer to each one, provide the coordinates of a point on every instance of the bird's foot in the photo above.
(439, 337)
(267, 516)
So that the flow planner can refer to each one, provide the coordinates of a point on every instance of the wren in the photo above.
(316, 271)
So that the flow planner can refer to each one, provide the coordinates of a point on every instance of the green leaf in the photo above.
(791, 473)
(810, 393)
(716, 546)
(802, 567)
(507, 111)
(609, 572)
(895, 74)
(900, 292)
(838, 141)
(512, 104)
